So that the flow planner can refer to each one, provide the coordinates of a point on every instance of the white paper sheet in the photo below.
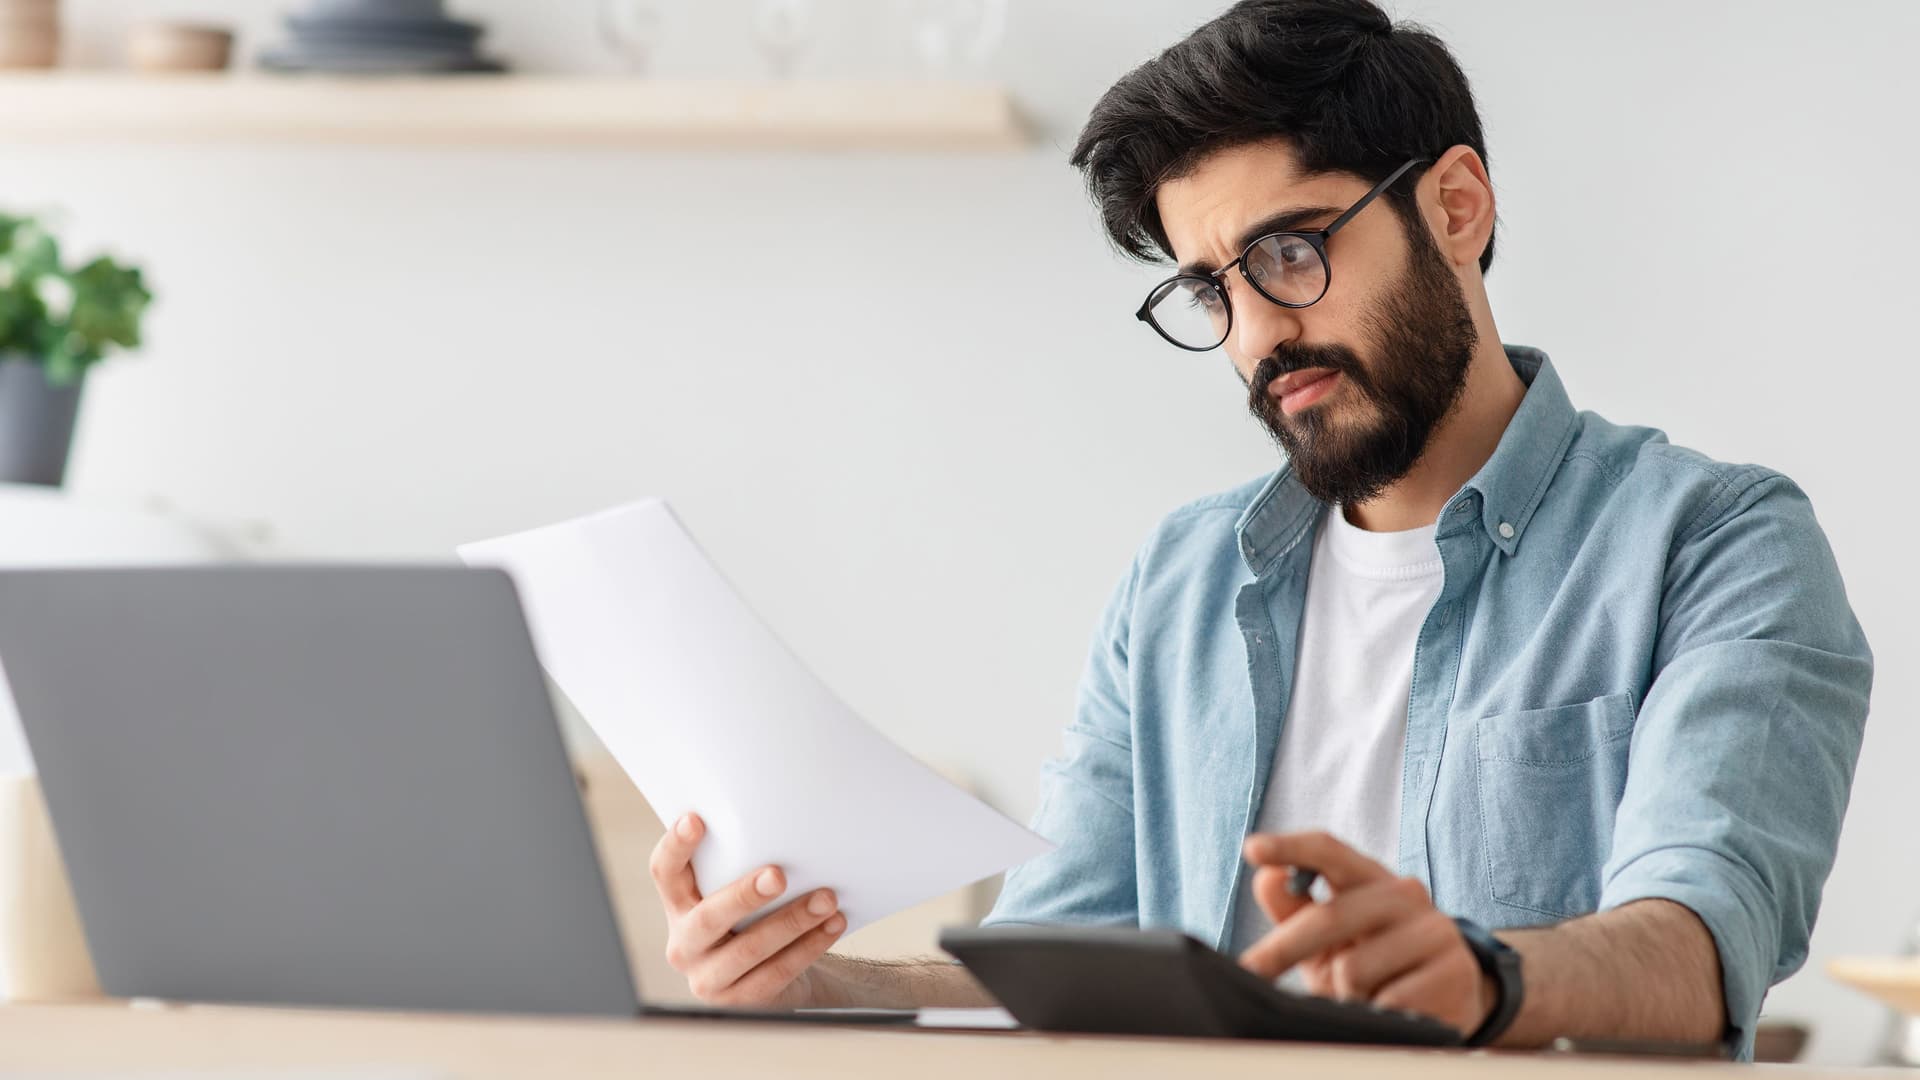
(992, 1018)
(709, 712)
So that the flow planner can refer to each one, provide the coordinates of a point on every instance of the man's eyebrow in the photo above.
(1284, 221)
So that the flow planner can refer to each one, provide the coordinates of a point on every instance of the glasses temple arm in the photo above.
(1383, 185)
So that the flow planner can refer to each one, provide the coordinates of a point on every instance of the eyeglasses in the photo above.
(1288, 268)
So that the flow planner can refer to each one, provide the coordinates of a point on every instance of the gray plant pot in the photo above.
(36, 424)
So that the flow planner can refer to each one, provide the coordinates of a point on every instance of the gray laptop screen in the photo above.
(315, 785)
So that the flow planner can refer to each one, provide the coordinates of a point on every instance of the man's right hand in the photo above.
(767, 965)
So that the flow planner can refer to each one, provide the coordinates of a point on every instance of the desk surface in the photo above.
(115, 1037)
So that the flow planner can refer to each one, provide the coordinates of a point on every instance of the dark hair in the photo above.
(1347, 88)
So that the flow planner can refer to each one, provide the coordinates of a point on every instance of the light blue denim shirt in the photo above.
(1641, 679)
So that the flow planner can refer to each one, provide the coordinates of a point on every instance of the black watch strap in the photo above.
(1499, 961)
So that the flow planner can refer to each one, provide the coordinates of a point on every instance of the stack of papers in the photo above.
(709, 712)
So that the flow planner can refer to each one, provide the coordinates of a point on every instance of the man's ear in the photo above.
(1456, 199)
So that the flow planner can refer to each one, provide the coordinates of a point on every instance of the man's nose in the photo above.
(1259, 325)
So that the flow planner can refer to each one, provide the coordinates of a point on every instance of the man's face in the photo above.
(1353, 386)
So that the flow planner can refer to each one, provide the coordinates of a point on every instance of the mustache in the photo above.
(1287, 360)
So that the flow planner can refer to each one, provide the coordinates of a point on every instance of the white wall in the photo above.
(901, 397)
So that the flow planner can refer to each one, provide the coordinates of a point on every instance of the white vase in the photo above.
(43, 953)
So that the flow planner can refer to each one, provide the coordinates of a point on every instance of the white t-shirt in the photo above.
(1338, 763)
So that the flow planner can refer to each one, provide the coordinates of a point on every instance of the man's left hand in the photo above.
(1378, 938)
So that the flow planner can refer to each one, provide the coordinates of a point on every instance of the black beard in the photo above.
(1426, 337)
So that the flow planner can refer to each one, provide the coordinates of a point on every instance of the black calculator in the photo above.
(1127, 981)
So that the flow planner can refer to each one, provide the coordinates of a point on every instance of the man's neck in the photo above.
(1456, 450)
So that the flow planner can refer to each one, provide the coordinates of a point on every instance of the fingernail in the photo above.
(836, 924)
(685, 827)
(768, 883)
(820, 903)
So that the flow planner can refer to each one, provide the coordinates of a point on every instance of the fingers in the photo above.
(741, 954)
(1379, 938)
(1446, 988)
(1358, 971)
(1270, 888)
(695, 936)
(1317, 928)
(761, 963)
(671, 865)
(1314, 973)
(715, 917)
(766, 981)
(1343, 867)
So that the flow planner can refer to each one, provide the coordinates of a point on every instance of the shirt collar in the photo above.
(1510, 484)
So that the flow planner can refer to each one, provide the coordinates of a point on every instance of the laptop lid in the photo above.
(337, 786)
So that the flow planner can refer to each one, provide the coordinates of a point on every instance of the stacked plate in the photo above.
(378, 37)
(29, 33)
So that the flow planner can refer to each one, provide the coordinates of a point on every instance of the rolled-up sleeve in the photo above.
(1086, 797)
(1744, 750)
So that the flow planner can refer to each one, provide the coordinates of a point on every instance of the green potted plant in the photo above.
(55, 323)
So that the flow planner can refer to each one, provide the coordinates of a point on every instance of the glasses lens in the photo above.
(1288, 269)
(1191, 311)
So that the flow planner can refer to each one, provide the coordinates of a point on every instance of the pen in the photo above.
(1300, 881)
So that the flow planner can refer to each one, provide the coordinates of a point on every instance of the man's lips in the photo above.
(1295, 381)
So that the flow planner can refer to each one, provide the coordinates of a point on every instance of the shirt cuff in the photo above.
(1730, 899)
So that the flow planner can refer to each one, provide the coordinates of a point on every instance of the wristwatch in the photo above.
(1500, 962)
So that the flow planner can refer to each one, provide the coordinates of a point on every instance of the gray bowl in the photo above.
(376, 63)
(403, 30)
(407, 10)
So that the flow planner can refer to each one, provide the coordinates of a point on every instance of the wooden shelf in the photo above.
(510, 109)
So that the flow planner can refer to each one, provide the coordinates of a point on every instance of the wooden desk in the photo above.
(111, 1036)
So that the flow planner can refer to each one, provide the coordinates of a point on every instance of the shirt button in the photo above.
(1506, 531)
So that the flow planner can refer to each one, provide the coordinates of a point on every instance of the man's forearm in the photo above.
(842, 982)
(1645, 970)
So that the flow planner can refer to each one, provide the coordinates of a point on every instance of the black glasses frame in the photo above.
(1215, 279)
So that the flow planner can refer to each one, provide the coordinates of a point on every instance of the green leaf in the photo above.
(23, 318)
(33, 251)
(65, 369)
(109, 301)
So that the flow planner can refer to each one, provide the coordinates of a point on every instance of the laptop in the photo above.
(317, 786)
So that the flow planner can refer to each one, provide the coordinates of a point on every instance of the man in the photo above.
(1478, 659)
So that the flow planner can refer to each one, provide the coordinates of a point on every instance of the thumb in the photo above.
(1270, 889)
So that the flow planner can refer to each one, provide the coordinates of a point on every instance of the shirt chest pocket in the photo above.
(1550, 783)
